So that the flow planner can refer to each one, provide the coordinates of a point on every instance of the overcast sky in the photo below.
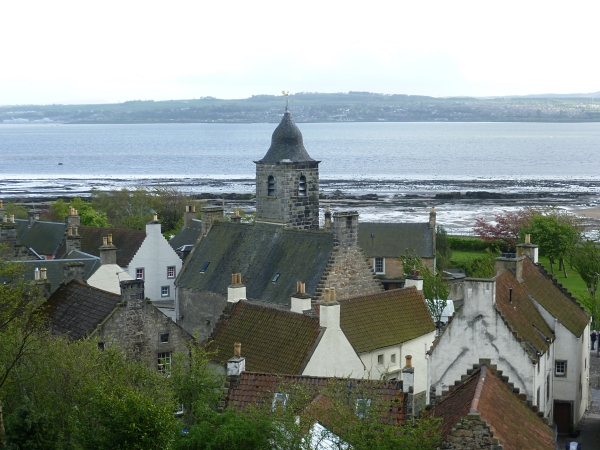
(111, 51)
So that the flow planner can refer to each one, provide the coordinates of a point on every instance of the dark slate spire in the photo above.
(286, 143)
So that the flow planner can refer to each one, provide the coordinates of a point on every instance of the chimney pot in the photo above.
(332, 295)
(408, 361)
(70, 231)
(1, 204)
(155, 217)
(528, 238)
(36, 274)
(12, 218)
(104, 240)
(109, 238)
(237, 349)
(43, 274)
(327, 295)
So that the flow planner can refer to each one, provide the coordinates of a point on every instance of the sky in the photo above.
(91, 51)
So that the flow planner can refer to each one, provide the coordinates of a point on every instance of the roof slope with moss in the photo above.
(259, 252)
(390, 240)
(514, 424)
(44, 238)
(555, 299)
(521, 314)
(76, 309)
(273, 340)
(385, 318)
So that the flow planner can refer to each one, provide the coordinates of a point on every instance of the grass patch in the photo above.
(459, 257)
(574, 283)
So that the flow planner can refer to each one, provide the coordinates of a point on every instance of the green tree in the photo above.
(443, 250)
(12, 209)
(435, 288)
(59, 210)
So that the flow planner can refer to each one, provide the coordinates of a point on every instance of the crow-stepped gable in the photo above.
(287, 180)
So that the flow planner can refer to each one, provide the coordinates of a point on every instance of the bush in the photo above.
(475, 244)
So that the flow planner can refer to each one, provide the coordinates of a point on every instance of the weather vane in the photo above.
(286, 94)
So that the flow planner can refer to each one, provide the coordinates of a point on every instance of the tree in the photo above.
(506, 226)
(59, 210)
(443, 250)
(435, 288)
(555, 235)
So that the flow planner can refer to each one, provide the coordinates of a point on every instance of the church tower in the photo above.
(287, 180)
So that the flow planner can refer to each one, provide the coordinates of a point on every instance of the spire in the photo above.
(286, 143)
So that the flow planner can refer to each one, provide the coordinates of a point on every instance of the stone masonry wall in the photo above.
(350, 273)
(198, 311)
(301, 212)
(471, 433)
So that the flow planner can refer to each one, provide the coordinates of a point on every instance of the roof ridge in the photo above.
(388, 293)
(559, 286)
(478, 389)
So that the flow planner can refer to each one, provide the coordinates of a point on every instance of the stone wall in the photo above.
(286, 205)
(198, 311)
(15, 251)
(472, 433)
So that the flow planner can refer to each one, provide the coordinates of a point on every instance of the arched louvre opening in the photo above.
(271, 185)
(302, 186)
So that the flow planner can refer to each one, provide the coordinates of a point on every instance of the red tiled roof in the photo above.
(557, 301)
(521, 315)
(273, 340)
(259, 388)
(513, 423)
(385, 318)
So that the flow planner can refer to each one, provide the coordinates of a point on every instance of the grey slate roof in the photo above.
(259, 252)
(188, 235)
(392, 239)
(286, 143)
(43, 237)
(75, 309)
(55, 269)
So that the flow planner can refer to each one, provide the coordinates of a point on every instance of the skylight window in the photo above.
(275, 278)
(204, 266)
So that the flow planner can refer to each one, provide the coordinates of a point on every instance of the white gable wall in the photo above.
(107, 278)
(154, 256)
(334, 357)
(477, 331)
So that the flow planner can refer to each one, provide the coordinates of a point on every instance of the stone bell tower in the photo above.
(287, 180)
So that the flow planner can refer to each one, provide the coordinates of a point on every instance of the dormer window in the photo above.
(271, 186)
(302, 186)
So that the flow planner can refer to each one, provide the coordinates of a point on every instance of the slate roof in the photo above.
(521, 314)
(273, 340)
(259, 388)
(188, 235)
(75, 309)
(127, 242)
(43, 237)
(55, 269)
(258, 251)
(286, 143)
(556, 300)
(385, 318)
(514, 424)
(392, 239)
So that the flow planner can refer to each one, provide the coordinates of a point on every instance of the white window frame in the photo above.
(139, 270)
(382, 272)
(563, 372)
(166, 289)
(164, 362)
(173, 269)
(281, 399)
(393, 358)
(380, 359)
(160, 335)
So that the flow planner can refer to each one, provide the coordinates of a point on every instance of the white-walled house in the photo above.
(280, 341)
(109, 275)
(156, 263)
(386, 327)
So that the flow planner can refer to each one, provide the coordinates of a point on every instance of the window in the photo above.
(275, 278)
(271, 186)
(379, 264)
(302, 186)
(560, 368)
(204, 266)
(164, 338)
(164, 363)
(393, 358)
(165, 291)
(547, 388)
(171, 272)
(362, 407)
(139, 273)
(279, 401)
(380, 359)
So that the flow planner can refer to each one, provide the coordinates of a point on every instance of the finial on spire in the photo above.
(286, 94)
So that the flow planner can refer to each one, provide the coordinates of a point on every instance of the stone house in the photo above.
(279, 341)
(128, 321)
(484, 412)
(528, 326)
(383, 243)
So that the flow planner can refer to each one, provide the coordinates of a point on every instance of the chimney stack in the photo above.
(73, 240)
(345, 229)
(327, 218)
(33, 215)
(74, 271)
(153, 227)
(210, 214)
(73, 219)
(509, 261)
(108, 252)
(236, 291)
(432, 217)
(408, 385)
(329, 315)
(189, 215)
(42, 283)
(237, 364)
(528, 249)
(414, 279)
(236, 218)
(300, 300)
(2, 216)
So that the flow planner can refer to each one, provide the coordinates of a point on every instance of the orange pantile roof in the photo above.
(273, 340)
(385, 318)
(513, 423)
(556, 300)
